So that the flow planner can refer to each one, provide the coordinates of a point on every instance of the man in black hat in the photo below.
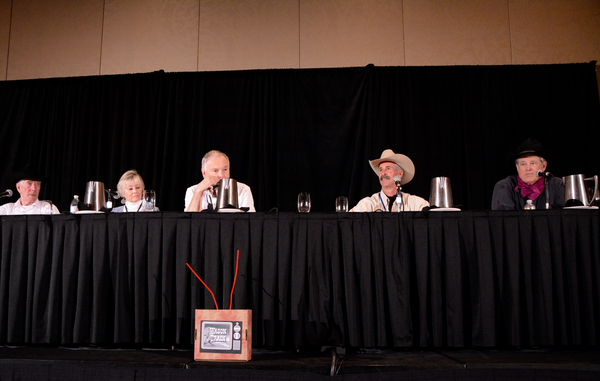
(29, 182)
(513, 192)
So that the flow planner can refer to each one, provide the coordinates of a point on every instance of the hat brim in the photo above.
(402, 160)
(514, 156)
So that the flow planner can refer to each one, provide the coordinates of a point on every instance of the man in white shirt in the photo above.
(388, 167)
(29, 182)
(215, 166)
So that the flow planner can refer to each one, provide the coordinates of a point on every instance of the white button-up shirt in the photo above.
(38, 207)
(245, 199)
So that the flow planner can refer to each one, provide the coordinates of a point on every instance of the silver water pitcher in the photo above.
(595, 198)
(95, 197)
(227, 194)
(578, 194)
(441, 193)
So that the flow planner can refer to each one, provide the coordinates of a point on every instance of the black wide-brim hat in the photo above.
(529, 147)
(29, 172)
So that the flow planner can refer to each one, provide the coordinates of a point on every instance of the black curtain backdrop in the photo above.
(294, 130)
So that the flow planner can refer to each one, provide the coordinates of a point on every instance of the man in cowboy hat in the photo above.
(513, 192)
(215, 166)
(389, 166)
(29, 181)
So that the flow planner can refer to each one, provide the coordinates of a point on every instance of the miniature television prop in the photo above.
(223, 335)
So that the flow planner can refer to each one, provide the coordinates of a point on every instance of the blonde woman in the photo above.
(131, 189)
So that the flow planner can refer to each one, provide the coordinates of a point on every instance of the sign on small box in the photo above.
(223, 335)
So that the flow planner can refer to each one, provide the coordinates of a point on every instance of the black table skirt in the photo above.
(437, 279)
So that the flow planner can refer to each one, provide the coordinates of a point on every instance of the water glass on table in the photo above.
(304, 202)
(149, 200)
(341, 204)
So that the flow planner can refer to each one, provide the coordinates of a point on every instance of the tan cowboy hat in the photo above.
(402, 160)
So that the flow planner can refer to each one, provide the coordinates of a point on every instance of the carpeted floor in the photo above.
(95, 363)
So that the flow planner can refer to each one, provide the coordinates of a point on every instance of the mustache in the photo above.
(384, 177)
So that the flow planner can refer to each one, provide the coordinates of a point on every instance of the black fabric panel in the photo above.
(481, 283)
(414, 279)
(69, 228)
(122, 307)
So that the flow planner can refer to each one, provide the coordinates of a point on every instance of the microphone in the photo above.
(113, 194)
(6, 193)
(546, 176)
(399, 199)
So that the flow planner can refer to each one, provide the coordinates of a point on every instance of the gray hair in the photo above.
(210, 154)
(132, 174)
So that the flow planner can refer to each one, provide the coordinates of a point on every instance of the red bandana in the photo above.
(530, 191)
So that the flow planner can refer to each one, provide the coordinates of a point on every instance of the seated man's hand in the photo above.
(203, 185)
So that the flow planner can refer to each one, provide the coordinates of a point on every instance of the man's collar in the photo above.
(27, 206)
(394, 195)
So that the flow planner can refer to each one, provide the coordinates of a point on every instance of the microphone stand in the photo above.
(547, 192)
(399, 199)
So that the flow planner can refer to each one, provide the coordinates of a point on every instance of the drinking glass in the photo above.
(149, 200)
(304, 202)
(341, 204)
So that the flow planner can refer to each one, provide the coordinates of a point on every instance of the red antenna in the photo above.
(234, 278)
(237, 260)
(213, 295)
